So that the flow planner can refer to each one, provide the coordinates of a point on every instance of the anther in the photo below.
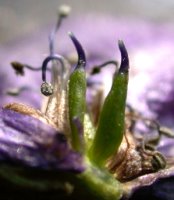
(18, 67)
(81, 54)
(64, 10)
(47, 89)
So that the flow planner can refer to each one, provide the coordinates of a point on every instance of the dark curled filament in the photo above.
(47, 88)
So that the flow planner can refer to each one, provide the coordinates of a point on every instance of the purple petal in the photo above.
(159, 186)
(28, 141)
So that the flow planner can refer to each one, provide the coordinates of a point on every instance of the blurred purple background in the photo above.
(18, 17)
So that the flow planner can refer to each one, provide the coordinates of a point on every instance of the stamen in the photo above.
(56, 106)
(81, 54)
(47, 88)
(63, 12)
(96, 69)
(19, 67)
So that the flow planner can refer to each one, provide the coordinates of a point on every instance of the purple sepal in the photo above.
(28, 141)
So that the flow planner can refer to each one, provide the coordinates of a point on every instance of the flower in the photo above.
(66, 142)
(61, 145)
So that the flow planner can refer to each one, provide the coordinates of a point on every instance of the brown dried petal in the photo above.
(27, 110)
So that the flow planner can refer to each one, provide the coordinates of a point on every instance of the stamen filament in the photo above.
(47, 88)
(96, 69)
(19, 67)
(47, 60)
(63, 12)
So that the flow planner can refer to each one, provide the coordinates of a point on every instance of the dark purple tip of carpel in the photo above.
(81, 54)
(124, 67)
